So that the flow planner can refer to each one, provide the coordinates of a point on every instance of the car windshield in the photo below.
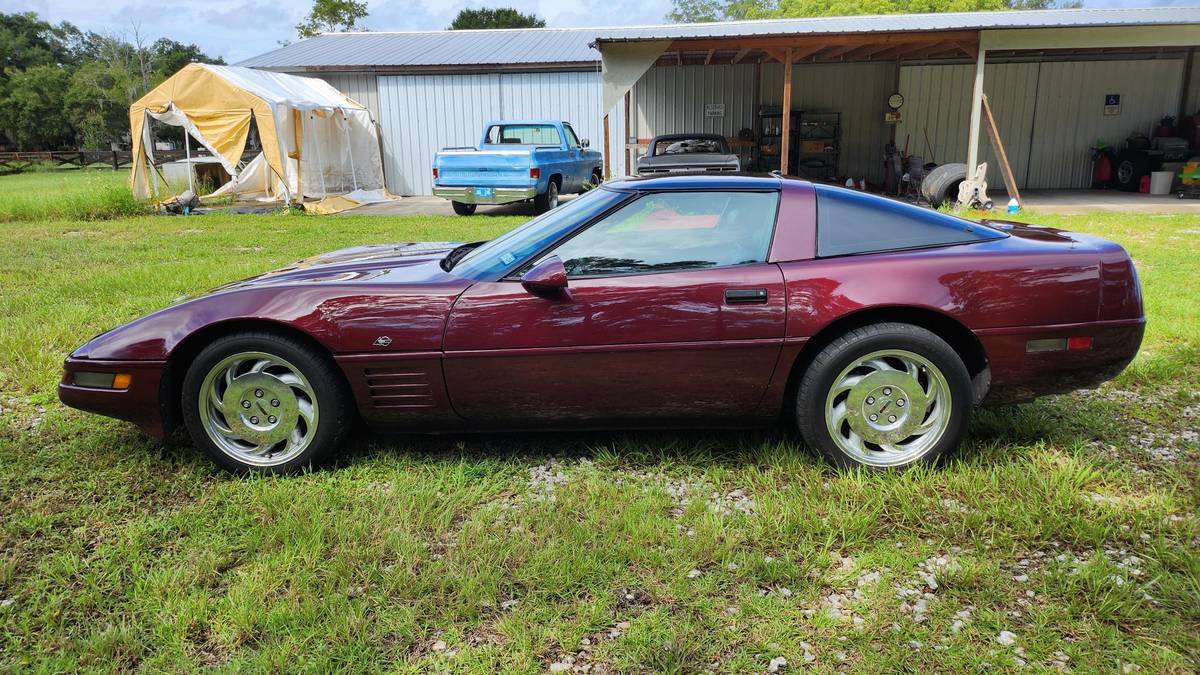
(523, 134)
(502, 254)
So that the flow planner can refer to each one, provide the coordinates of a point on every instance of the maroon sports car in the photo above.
(873, 325)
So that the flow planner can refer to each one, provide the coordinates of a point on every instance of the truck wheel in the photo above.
(942, 183)
(1131, 166)
(595, 180)
(463, 209)
(547, 200)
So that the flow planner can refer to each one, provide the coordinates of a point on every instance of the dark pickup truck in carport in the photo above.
(688, 153)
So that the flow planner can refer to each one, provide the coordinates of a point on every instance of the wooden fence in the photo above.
(16, 162)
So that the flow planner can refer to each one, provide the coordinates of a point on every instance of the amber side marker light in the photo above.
(1059, 344)
(103, 380)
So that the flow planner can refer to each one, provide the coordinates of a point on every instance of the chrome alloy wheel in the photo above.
(258, 408)
(888, 408)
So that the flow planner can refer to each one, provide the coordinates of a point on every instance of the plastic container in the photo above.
(1160, 182)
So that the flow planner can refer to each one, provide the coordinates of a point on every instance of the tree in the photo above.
(500, 17)
(168, 56)
(331, 16)
(32, 110)
(700, 11)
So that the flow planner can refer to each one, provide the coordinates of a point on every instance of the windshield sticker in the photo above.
(507, 258)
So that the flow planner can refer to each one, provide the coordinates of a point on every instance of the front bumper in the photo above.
(140, 403)
(500, 195)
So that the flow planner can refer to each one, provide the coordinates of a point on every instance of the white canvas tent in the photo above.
(316, 142)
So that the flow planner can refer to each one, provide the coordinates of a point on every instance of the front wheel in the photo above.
(547, 200)
(462, 208)
(264, 402)
(887, 395)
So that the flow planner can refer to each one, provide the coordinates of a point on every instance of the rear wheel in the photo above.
(887, 395)
(463, 209)
(264, 402)
(595, 180)
(548, 199)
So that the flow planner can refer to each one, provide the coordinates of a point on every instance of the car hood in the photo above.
(414, 262)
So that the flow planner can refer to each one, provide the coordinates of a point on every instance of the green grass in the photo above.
(89, 194)
(512, 552)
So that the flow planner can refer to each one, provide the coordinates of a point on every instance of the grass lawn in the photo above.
(1064, 536)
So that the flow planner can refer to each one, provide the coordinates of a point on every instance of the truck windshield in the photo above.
(523, 134)
(503, 254)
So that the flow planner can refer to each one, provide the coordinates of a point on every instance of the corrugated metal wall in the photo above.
(1049, 113)
(1070, 112)
(671, 99)
(858, 91)
(420, 114)
(937, 105)
(359, 86)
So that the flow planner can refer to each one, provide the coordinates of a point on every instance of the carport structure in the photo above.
(654, 62)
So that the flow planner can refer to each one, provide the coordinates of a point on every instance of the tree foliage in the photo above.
(63, 88)
(700, 11)
(331, 16)
(498, 17)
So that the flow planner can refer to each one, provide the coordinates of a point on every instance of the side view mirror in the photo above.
(585, 143)
(547, 278)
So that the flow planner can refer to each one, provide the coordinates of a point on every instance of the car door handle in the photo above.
(745, 296)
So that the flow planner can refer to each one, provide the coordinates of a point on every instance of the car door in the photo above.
(671, 313)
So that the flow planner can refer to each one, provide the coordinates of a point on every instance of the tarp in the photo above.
(316, 142)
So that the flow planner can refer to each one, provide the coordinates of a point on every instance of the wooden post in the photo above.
(625, 141)
(116, 164)
(785, 141)
(1010, 182)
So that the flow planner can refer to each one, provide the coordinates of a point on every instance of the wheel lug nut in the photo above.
(870, 400)
(245, 404)
(274, 403)
(891, 418)
(874, 417)
(258, 393)
(887, 391)
(271, 419)
(253, 420)
(900, 403)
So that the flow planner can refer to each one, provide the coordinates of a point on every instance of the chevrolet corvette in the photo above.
(872, 326)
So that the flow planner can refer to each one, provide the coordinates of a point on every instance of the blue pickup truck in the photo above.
(517, 160)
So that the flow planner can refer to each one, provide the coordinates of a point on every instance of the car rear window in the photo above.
(851, 222)
(523, 134)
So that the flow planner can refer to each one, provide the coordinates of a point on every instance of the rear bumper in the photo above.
(1018, 375)
(140, 403)
(500, 195)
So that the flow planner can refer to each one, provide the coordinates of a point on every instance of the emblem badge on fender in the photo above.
(383, 341)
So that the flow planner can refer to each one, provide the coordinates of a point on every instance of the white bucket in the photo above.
(1160, 182)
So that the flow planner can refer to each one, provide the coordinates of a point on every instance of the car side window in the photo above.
(851, 222)
(674, 231)
(572, 139)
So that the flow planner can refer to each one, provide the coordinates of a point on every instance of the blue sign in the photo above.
(1112, 99)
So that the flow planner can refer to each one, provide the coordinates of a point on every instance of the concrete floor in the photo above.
(1062, 202)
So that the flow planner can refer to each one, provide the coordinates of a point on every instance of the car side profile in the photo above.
(873, 326)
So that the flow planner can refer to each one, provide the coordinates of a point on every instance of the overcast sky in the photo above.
(239, 29)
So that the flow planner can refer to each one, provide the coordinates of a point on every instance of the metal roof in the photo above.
(905, 23)
(438, 48)
(571, 46)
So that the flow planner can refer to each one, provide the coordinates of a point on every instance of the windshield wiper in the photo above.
(458, 253)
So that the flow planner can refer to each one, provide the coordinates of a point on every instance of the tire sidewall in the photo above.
(328, 391)
(819, 378)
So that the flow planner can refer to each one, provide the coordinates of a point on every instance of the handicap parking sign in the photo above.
(1112, 104)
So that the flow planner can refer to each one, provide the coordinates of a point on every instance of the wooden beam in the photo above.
(971, 49)
(800, 41)
(1010, 181)
(741, 54)
(708, 57)
(866, 51)
(902, 50)
(786, 134)
(805, 52)
(777, 54)
(837, 52)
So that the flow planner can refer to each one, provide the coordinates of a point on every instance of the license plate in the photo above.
(484, 192)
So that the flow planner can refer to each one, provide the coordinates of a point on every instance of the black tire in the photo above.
(1129, 169)
(548, 199)
(594, 181)
(942, 183)
(463, 209)
(820, 376)
(334, 400)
